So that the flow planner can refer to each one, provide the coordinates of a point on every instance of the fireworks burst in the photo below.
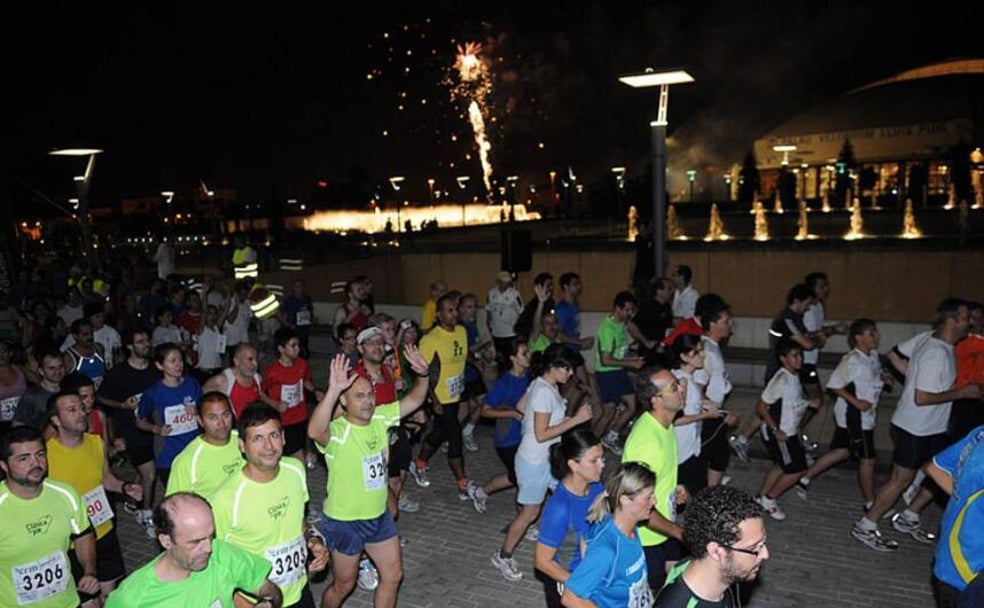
(474, 86)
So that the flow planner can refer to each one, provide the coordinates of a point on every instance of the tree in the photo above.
(749, 180)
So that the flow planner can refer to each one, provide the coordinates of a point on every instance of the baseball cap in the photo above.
(503, 276)
(367, 334)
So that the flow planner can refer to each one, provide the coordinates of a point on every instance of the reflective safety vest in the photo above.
(242, 267)
(263, 302)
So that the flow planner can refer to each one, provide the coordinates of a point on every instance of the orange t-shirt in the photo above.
(970, 360)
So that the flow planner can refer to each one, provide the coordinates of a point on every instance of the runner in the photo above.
(212, 457)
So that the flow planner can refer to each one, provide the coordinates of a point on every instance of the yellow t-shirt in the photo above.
(202, 467)
(450, 349)
(82, 468)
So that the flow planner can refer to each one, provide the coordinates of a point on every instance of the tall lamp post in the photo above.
(462, 183)
(663, 79)
(395, 183)
(82, 183)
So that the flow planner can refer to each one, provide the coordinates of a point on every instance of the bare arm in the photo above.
(418, 394)
(572, 600)
(970, 391)
(544, 432)
(269, 595)
(217, 382)
(543, 560)
(901, 364)
(846, 395)
(338, 382)
(85, 551)
(943, 479)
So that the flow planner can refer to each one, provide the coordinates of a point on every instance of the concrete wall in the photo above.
(886, 285)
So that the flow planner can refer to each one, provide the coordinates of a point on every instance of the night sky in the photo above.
(269, 102)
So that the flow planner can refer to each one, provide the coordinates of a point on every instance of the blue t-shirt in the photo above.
(566, 512)
(569, 319)
(504, 395)
(964, 461)
(612, 573)
(162, 404)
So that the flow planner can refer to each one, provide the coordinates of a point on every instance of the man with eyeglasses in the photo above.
(652, 442)
(725, 531)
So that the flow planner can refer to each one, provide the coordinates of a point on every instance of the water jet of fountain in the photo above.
(909, 228)
(951, 201)
(715, 228)
(778, 204)
(803, 222)
(857, 223)
(673, 229)
(761, 223)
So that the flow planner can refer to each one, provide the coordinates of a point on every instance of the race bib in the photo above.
(374, 471)
(671, 506)
(8, 407)
(220, 344)
(456, 385)
(97, 381)
(303, 317)
(292, 394)
(97, 506)
(41, 578)
(640, 596)
(180, 420)
(288, 561)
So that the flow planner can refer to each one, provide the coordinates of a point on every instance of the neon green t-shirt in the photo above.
(450, 348)
(655, 446)
(612, 338)
(267, 519)
(356, 458)
(34, 540)
(202, 467)
(539, 343)
(229, 568)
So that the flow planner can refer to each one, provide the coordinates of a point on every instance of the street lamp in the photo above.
(395, 182)
(511, 180)
(462, 183)
(692, 177)
(663, 79)
(430, 191)
(82, 183)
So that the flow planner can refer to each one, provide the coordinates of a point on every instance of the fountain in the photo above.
(715, 228)
(909, 228)
(803, 223)
(951, 201)
(633, 223)
(826, 201)
(673, 229)
(857, 222)
(755, 201)
(761, 223)
(778, 204)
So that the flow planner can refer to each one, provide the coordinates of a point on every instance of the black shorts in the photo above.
(913, 451)
(140, 454)
(109, 562)
(306, 601)
(794, 458)
(400, 451)
(692, 474)
(859, 442)
(295, 437)
(508, 457)
(474, 388)
(808, 374)
(714, 447)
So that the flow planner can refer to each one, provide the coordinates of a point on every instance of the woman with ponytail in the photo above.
(577, 461)
(687, 363)
(612, 573)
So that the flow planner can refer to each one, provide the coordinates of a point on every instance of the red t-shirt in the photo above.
(690, 325)
(286, 384)
(385, 390)
(970, 360)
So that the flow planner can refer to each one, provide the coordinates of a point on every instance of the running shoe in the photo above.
(913, 529)
(802, 489)
(532, 533)
(149, 529)
(405, 505)
(444, 447)
(740, 446)
(507, 567)
(419, 475)
(368, 576)
(469, 441)
(771, 508)
(478, 497)
(809, 446)
(873, 539)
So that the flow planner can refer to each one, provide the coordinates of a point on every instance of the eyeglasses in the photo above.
(747, 551)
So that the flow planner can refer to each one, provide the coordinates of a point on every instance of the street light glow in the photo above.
(652, 78)
(75, 152)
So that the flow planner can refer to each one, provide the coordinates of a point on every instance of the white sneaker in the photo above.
(419, 475)
(532, 533)
(611, 441)
(739, 443)
(507, 567)
(368, 576)
(771, 507)
(478, 498)
(405, 505)
(469, 442)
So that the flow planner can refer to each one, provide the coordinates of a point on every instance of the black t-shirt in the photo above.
(32, 410)
(678, 595)
(121, 383)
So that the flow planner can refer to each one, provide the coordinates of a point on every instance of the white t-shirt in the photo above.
(236, 330)
(207, 346)
(813, 320)
(932, 369)
(864, 372)
(165, 260)
(171, 333)
(688, 435)
(714, 374)
(541, 398)
(110, 340)
(503, 310)
(684, 302)
(785, 386)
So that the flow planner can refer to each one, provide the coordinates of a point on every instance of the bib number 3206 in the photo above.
(41, 578)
